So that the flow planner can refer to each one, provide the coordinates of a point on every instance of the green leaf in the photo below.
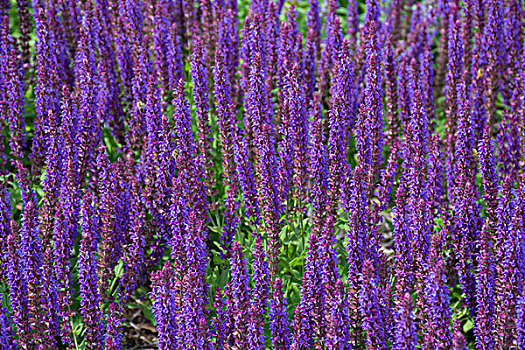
(468, 326)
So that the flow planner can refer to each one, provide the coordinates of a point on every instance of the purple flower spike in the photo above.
(113, 336)
(294, 130)
(369, 127)
(338, 333)
(259, 292)
(520, 321)
(88, 278)
(458, 339)
(341, 118)
(485, 291)
(6, 333)
(164, 308)
(302, 338)
(353, 22)
(18, 291)
(14, 87)
(134, 254)
(405, 327)
(108, 243)
(334, 39)
(199, 73)
(436, 299)
(314, 26)
(370, 308)
(240, 296)
(464, 194)
(279, 318)
(454, 80)
(506, 265)
(391, 88)
(26, 27)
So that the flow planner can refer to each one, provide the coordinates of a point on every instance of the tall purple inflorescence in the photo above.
(373, 324)
(369, 127)
(240, 296)
(88, 277)
(164, 307)
(279, 318)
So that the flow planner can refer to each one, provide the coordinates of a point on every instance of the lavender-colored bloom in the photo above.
(294, 131)
(341, 119)
(123, 50)
(200, 92)
(454, 79)
(426, 77)
(108, 249)
(161, 27)
(318, 165)
(46, 82)
(109, 111)
(509, 139)
(18, 290)
(69, 192)
(220, 323)
(416, 148)
(394, 19)
(435, 175)
(134, 254)
(113, 336)
(52, 180)
(189, 165)
(405, 327)
(485, 291)
(279, 318)
(458, 339)
(302, 337)
(437, 309)
(324, 213)
(313, 295)
(357, 207)
(240, 296)
(164, 308)
(333, 41)
(259, 293)
(26, 26)
(352, 22)
(493, 46)
(506, 265)
(369, 127)
(513, 31)
(88, 278)
(490, 179)
(174, 56)
(14, 89)
(467, 219)
(373, 324)
(237, 166)
(39, 283)
(258, 107)
(272, 44)
(403, 238)
(193, 325)
(314, 25)
(520, 320)
(388, 176)
(391, 89)
(6, 333)
(89, 127)
(338, 333)
(403, 91)
(226, 118)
